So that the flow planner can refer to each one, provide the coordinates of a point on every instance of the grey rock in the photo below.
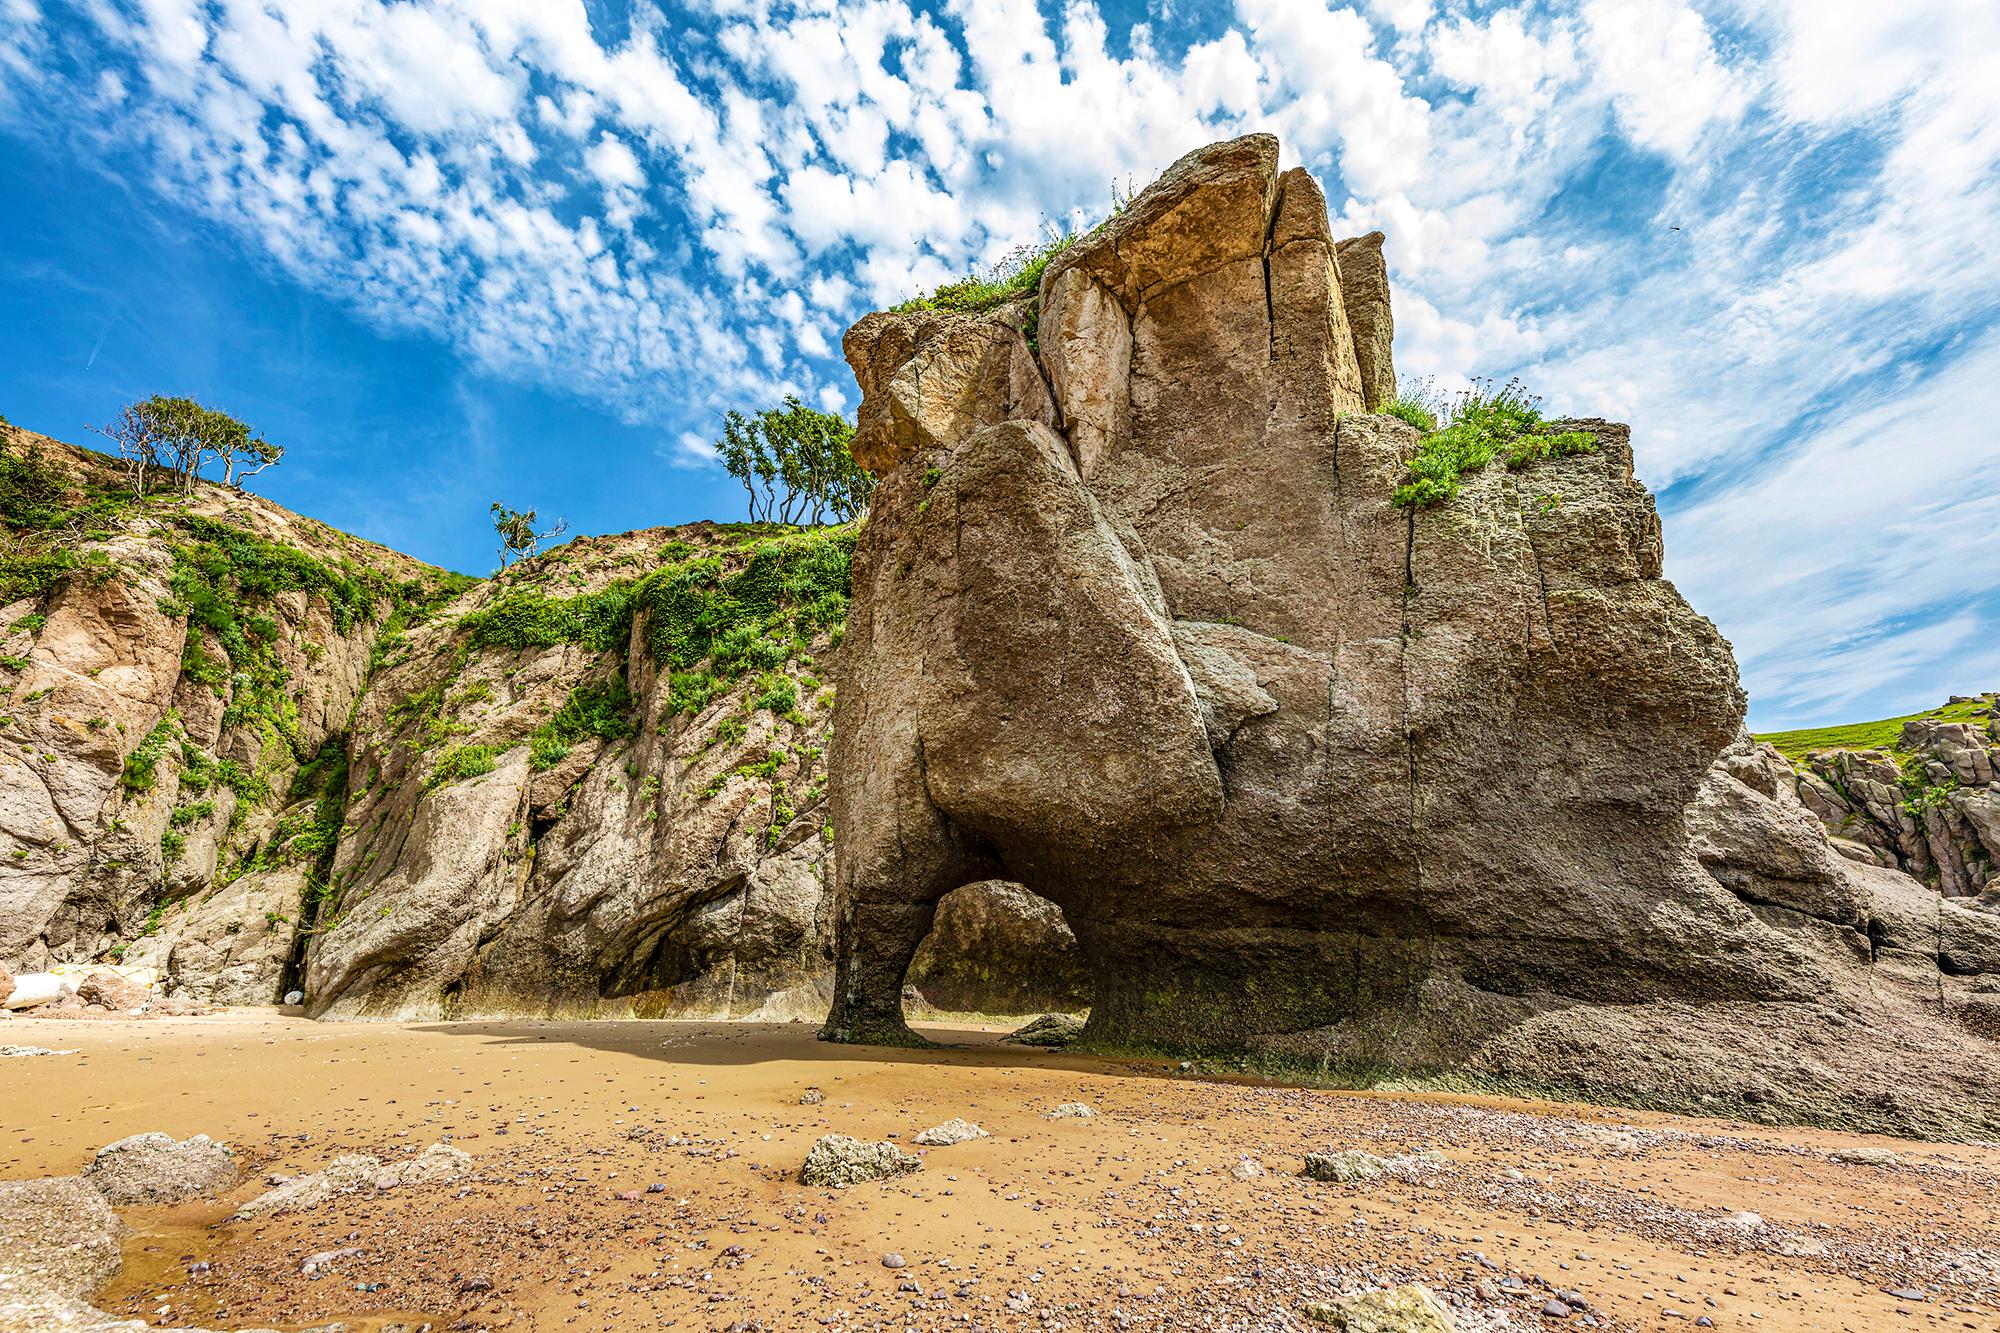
(951, 1131)
(155, 1169)
(1072, 1111)
(837, 1161)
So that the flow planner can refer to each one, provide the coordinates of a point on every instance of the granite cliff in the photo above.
(1146, 620)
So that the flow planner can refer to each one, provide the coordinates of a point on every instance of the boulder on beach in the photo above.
(954, 1130)
(155, 1168)
(837, 1161)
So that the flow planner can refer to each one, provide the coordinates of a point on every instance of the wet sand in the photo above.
(1131, 1219)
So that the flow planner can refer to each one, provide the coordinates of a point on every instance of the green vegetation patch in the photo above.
(461, 762)
(708, 618)
(1882, 735)
(602, 711)
(1018, 274)
(1466, 432)
(143, 764)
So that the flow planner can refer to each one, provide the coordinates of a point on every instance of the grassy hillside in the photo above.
(1880, 735)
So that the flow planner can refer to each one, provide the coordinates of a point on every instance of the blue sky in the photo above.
(453, 251)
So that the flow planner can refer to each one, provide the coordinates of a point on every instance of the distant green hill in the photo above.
(1882, 735)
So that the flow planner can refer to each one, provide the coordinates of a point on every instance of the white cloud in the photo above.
(1657, 60)
(683, 218)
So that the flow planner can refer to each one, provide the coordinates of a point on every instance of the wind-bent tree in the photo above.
(518, 538)
(179, 437)
(794, 464)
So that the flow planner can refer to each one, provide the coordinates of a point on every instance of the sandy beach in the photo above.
(642, 1175)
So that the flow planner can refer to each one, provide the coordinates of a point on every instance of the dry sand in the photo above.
(1130, 1219)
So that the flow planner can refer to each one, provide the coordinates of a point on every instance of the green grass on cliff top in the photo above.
(1881, 735)
(1466, 431)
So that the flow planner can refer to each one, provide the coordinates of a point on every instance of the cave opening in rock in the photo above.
(996, 950)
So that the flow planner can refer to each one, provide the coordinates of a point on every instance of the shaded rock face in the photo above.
(1307, 773)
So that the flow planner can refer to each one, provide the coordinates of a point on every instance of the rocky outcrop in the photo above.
(172, 665)
(599, 778)
(1929, 805)
(1354, 786)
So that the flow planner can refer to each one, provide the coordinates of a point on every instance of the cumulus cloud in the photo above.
(1742, 227)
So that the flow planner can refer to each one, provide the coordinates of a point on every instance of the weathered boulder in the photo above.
(6, 984)
(837, 1161)
(996, 948)
(155, 1168)
(57, 1237)
(109, 990)
(1310, 774)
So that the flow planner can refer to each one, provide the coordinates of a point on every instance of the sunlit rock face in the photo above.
(1137, 625)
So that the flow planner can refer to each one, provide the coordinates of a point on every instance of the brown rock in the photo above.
(108, 990)
(1364, 291)
(1310, 774)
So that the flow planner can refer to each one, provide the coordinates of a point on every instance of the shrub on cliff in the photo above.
(1469, 430)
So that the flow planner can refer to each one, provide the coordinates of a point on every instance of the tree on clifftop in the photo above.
(179, 437)
(794, 464)
(518, 538)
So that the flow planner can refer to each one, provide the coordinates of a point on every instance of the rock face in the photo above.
(172, 667)
(1351, 785)
(1928, 806)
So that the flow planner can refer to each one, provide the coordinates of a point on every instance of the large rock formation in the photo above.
(1361, 787)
